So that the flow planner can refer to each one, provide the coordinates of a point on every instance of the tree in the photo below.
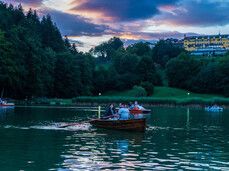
(19, 16)
(127, 63)
(146, 71)
(106, 50)
(50, 35)
(112, 77)
(222, 75)
(140, 49)
(138, 91)
(67, 76)
(164, 51)
(7, 65)
(181, 71)
(86, 67)
(48, 58)
(100, 80)
(205, 80)
(149, 88)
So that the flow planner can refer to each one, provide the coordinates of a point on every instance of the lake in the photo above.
(176, 139)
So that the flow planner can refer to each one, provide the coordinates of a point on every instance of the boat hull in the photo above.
(133, 111)
(7, 105)
(138, 125)
(214, 109)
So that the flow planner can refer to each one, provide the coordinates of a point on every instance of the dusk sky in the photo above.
(91, 22)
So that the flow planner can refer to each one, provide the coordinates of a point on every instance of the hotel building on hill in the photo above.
(207, 45)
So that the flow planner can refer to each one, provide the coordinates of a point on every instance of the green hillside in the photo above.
(160, 92)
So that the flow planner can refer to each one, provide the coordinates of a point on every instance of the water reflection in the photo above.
(6, 112)
(102, 149)
(138, 116)
(182, 143)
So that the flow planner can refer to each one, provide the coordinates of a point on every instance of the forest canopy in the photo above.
(37, 61)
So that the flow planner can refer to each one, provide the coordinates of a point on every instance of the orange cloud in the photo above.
(168, 8)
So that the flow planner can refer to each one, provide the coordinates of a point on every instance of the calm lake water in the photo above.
(176, 139)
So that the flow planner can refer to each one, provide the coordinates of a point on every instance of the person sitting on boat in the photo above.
(110, 111)
(131, 105)
(137, 106)
(123, 112)
(214, 107)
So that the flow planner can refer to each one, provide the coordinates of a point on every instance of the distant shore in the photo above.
(153, 105)
(145, 101)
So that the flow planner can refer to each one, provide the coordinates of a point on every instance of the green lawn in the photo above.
(112, 93)
(179, 93)
(164, 92)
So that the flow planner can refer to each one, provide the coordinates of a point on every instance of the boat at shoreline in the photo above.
(7, 105)
(138, 125)
(137, 111)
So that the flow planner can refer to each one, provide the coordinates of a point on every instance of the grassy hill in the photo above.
(164, 92)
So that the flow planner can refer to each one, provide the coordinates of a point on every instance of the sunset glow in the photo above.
(60, 5)
(97, 20)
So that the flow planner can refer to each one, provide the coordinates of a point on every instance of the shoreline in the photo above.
(144, 101)
(154, 102)
(96, 104)
(194, 106)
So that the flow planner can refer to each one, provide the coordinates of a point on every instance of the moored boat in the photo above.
(137, 111)
(6, 104)
(138, 125)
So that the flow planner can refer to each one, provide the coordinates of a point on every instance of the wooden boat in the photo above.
(138, 125)
(6, 104)
(137, 111)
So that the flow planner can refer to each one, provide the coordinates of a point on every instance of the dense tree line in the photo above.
(199, 75)
(36, 61)
(122, 68)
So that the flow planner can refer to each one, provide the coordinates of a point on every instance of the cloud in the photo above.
(74, 25)
(99, 20)
(196, 13)
(31, 3)
(78, 43)
(154, 36)
(123, 10)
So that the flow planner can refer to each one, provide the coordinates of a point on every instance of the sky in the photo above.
(91, 22)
